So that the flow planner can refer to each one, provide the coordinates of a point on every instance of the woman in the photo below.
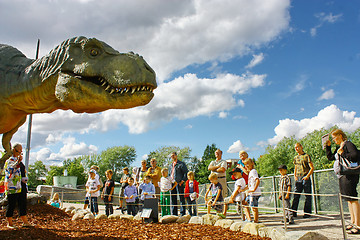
(243, 155)
(347, 183)
(13, 187)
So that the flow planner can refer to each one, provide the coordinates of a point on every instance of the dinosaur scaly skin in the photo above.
(81, 74)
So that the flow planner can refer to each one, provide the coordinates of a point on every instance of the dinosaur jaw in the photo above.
(95, 94)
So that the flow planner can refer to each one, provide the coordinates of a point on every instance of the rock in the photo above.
(89, 216)
(183, 219)
(114, 216)
(168, 219)
(34, 198)
(79, 215)
(252, 228)
(210, 219)
(67, 210)
(101, 216)
(196, 220)
(224, 223)
(138, 217)
(277, 233)
(303, 235)
(126, 216)
(237, 226)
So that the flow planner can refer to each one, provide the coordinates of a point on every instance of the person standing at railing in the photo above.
(285, 189)
(218, 166)
(347, 183)
(178, 172)
(240, 164)
(303, 170)
(155, 173)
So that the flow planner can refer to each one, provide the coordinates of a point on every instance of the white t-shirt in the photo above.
(253, 175)
(165, 184)
(93, 184)
(221, 163)
(242, 184)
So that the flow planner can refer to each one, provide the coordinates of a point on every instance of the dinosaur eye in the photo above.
(94, 52)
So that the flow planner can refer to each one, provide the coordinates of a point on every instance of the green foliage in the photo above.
(36, 170)
(201, 169)
(54, 171)
(163, 158)
(75, 168)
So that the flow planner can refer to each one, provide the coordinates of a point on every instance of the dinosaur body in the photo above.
(81, 74)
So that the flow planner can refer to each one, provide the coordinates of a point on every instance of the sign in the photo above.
(146, 212)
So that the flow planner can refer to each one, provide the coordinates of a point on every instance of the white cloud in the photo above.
(223, 114)
(329, 94)
(189, 126)
(257, 59)
(169, 34)
(299, 85)
(326, 118)
(236, 147)
(324, 18)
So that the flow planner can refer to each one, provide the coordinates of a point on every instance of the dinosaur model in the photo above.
(81, 74)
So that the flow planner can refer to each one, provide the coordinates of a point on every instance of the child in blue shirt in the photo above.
(130, 194)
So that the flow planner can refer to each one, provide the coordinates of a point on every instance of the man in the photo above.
(155, 173)
(178, 172)
(218, 166)
(302, 172)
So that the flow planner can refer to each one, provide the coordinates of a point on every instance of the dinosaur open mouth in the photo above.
(116, 90)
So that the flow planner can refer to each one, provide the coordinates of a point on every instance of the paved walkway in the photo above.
(330, 228)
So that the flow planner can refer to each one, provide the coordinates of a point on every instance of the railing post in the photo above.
(275, 198)
(312, 179)
(342, 217)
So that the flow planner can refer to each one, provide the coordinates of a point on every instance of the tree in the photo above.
(36, 170)
(54, 171)
(162, 155)
(201, 169)
(75, 168)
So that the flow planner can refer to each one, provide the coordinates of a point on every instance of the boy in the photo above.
(191, 193)
(124, 182)
(216, 196)
(285, 189)
(147, 189)
(238, 196)
(107, 192)
(254, 191)
(93, 191)
(166, 185)
(130, 194)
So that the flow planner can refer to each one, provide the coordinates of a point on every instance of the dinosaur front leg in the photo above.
(6, 142)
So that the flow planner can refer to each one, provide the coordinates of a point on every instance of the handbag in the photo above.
(347, 167)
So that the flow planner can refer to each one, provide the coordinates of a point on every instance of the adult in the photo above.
(302, 173)
(155, 173)
(13, 187)
(347, 183)
(218, 166)
(178, 172)
(142, 172)
(240, 164)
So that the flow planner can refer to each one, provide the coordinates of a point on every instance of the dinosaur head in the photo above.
(94, 77)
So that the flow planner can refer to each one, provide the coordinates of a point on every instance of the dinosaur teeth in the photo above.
(103, 84)
(112, 90)
(107, 88)
(133, 90)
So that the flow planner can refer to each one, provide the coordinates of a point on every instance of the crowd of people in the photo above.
(176, 184)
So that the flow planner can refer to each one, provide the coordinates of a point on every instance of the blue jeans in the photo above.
(174, 193)
(302, 185)
(94, 205)
(191, 206)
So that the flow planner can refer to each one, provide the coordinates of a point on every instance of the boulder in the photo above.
(114, 216)
(126, 216)
(303, 235)
(252, 228)
(183, 219)
(168, 219)
(138, 217)
(237, 225)
(196, 220)
(89, 216)
(224, 223)
(277, 233)
(210, 219)
(101, 216)
(34, 198)
(79, 215)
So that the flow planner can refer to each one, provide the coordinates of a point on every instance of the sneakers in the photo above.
(10, 227)
(221, 215)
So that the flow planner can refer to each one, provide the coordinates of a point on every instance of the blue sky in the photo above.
(240, 74)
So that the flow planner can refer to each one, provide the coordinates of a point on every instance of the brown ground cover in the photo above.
(52, 223)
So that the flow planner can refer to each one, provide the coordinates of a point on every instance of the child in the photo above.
(124, 183)
(166, 185)
(254, 191)
(2, 189)
(93, 191)
(130, 194)
(107, 193)
(216, 196)
(147, 189)
(191, 193)
(55, 201)
(285, 189)
(96, 170)
(238, 196)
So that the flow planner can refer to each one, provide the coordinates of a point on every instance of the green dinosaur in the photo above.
(81, 74)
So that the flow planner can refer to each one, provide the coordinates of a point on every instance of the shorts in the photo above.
(87, 200)
(218, 206)
(253, 201)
